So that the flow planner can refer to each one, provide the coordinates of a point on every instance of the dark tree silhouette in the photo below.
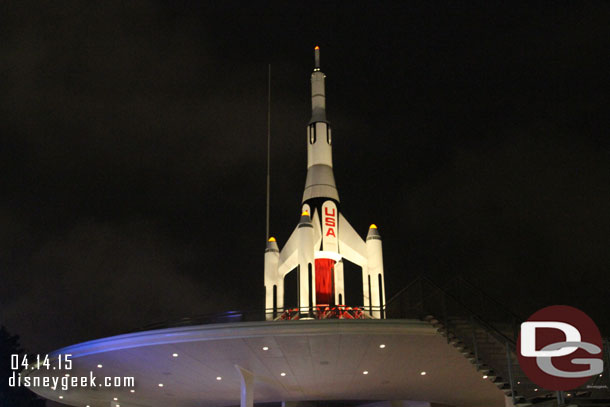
(13, 396)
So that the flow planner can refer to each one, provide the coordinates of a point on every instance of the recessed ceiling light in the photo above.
(175, 355)
(423, 373)
(484, 376)
(382, 346)
(160, 384)
(282, 374)
(218, 378)
(365, 372)
(99, 366)
(265, 347)
(61, 397)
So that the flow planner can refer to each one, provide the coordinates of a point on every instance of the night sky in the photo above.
(133, 151)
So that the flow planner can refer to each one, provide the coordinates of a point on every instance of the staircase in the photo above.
(485, 332)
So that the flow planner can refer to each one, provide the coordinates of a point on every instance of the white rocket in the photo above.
(323, 237)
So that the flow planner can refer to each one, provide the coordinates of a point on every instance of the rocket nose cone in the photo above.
(272, 244)
(305, 218)
(373, 233)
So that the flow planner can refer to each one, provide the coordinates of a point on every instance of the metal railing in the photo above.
(488, 308)
(321, 311)
(486, 333)
(423, 297)
(325, 311)
(478, 325)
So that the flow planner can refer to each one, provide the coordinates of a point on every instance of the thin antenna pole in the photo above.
(268, 147)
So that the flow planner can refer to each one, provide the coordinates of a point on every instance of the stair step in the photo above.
(500, 382)
(459, 319)
(486, 370)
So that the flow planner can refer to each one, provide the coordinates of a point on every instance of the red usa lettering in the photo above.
(329, 220)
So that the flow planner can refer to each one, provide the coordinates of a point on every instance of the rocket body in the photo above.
(320, 196)
(323, 237)
(320, 181)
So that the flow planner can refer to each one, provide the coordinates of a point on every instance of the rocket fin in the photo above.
(317, 231)
(351, 245)
(289, 258)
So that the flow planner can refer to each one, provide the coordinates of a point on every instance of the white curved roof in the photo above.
(322, 360)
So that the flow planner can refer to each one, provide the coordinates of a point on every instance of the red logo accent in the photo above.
(560, 348)
(329, 220)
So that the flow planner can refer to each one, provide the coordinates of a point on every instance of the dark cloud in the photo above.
(99, 279)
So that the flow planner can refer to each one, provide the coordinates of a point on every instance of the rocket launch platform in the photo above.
(350, 362)
(351, 356)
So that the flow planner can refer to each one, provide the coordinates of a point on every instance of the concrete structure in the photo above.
(353, 361)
